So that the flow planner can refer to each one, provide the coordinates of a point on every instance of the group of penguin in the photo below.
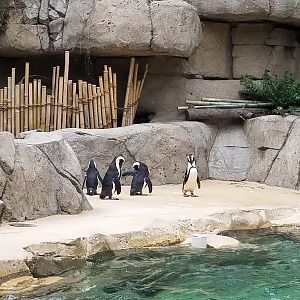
(140, 178)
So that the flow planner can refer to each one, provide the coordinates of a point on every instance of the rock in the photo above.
(2, 207)
(285, 169)
(7, 152)
(285, 11)
(31, 10)
(43, 14)
(59, 5)
(245, 55)
(187, 137)
(248, 220)
(56, 26)
(230, 155)
(232, 10)
(12, 269)
(213, 57)
(53, 14)
(182, 39)
(282, 37)
(220, 241)
(20, 39)
(46, 180)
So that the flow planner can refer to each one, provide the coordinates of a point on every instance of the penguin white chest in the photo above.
(191, 183)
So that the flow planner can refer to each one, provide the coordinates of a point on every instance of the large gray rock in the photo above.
(176, 28)
(31, 10)
(286, 11)
(230, 155)
(7, 152)
(46, 180)
(163, 147)
(213, 58)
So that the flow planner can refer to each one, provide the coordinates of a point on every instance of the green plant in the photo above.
(283, 92)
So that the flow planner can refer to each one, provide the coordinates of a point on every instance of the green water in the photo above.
(266, 267)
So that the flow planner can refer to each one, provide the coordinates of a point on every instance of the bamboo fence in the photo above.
(30, 105)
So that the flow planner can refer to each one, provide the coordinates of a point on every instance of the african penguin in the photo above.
(191, 179)
(140, 178)
(111, 180)
(92, 179)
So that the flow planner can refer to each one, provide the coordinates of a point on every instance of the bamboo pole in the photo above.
(22, 101)
(85, 104)
(70, 104)
(103, 106)
(17, 109)
(57, 76)
(43, 108)
(237, 105)
(48, 112)
(13, 96)
(125, 112)
(30, 107)
(115, 98)
(134, 96)
(143, 81)
(95, 106)
(52, 100)
(112, 100)
(38, 107)
(65, 88)
(77, 124)
(9, 127)
(100, 113)
(201, 103)
(26, 108)
(5, 99)
(225, 100)
(107, 97)
(60, 103)
(75, 108)
(1, 110)
(91, 106)
(80, 104)
(128, 115)
(34, 104)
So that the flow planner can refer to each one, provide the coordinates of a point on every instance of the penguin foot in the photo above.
(194, 195)
(113, 198)
(185, 195)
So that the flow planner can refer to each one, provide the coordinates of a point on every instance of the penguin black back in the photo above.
(111, 180)
(92, 178)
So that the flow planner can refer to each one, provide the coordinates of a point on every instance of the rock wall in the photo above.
(39, 177)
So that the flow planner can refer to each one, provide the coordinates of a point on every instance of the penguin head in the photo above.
(92, 164)
(119, 161)
(191, 160)
(136, 166)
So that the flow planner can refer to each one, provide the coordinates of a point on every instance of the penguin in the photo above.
(111, 181)
(191, 179)
(92, 179)
(140, 178)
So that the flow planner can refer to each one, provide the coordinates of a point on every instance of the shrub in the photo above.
(283, 92)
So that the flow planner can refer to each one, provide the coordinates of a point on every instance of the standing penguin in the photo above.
(111, 180)
(191, 179)
(140, 178)
(92, 179)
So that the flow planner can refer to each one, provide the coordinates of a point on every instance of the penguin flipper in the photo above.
(99, 178)
(198, 182)
(128, 173)
(117, 185)
(149, 184)
(185, 179)
(84, 181)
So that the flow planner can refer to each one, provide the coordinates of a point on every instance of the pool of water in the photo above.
(266, 267)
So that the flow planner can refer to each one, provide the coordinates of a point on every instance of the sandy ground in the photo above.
(134, 213)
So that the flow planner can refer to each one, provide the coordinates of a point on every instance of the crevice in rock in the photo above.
(128, 151)
(270, 8)
(282, 146)
(298, 182)
(151, 23)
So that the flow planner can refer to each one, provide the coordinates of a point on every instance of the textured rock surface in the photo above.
(46, 180)
(12, 269)
(220, 241)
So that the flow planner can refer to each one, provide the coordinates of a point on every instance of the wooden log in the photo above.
(85, 105)
(95, 106)
(26, 109)
(100, 108)
(65, 89)
(115, 98)
(91, 106)
(107, 97)
(22, 107)
(237, 105)
(5, 92)
(43, 108)
(224, 100)
(74, 123)
(39, 102)
(52, 100)
(30, 107)
(56, 97)
(112, 100)
(193, 114)
(2, 110)
(103, 106)
(60, 103)
(17, 109)
(48, 112)
(9, 126)
(80, 104)
(129, 82)
(70, 104)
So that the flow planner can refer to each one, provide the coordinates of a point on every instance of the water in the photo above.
(266, 267)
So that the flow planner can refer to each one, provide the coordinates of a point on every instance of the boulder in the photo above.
(285, 11)
(43, 13)
(230, 155)
(59, 5)
(31, 10)
(163, 147)
(46, 180)
(176, 28)
(213, 57)
(7, 152)
(220, 241)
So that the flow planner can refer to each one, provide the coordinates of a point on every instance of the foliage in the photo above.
(3, 12)
(283, 92)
